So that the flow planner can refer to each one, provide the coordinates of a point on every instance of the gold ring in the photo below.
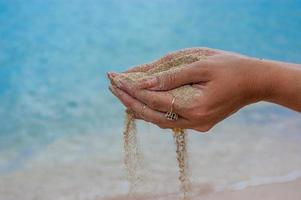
(171, 115)
(142, 111)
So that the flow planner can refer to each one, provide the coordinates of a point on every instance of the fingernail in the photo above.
(113, 74)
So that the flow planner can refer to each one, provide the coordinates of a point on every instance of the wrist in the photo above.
(259, 80)
(286, 90)
(276, 82)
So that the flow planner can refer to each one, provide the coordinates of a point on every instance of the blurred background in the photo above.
(61, 129)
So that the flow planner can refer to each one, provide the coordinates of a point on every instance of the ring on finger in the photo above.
(142, 111)
(172, 116)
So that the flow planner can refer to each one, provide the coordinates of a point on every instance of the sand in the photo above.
(168, 64)
(275, 191)
(132, 154)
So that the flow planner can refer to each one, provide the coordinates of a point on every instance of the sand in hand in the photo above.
(167, 64)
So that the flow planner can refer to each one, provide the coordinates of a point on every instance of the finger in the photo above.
(111, 76)
(146, 113)
(156, 100)
(193, 73)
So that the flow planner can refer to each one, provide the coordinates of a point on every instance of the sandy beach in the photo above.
(276, 191)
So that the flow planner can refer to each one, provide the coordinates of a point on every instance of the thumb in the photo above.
(167, 80)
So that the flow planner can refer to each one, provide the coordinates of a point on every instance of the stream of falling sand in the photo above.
(180, 137)
(132, 156)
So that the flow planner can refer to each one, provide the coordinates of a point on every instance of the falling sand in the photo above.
(183, 95)
(132, 154)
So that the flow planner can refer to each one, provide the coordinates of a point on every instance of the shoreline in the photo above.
(270, 191)
(294, 175)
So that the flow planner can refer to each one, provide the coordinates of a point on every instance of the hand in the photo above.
(225, 82)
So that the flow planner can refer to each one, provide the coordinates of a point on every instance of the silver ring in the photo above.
(171, 115)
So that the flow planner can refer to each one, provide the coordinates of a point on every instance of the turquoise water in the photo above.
(54, 55)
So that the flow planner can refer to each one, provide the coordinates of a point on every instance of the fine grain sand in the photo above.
(275, 191)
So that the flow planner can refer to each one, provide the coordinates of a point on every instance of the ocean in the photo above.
(61, 129)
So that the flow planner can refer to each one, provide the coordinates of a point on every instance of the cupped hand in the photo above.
(224, 83)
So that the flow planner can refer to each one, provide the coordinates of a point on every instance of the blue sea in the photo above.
(60, 128)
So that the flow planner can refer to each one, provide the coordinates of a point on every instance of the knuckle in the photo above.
(153, 103)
